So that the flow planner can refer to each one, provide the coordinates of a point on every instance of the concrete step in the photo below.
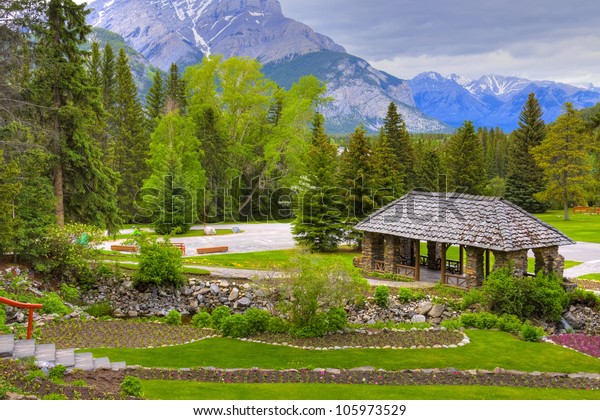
(118, 365)
(7, 345)
(24, 349)
(102, 363)
(45, 353)
(65, 357)
(84, 361)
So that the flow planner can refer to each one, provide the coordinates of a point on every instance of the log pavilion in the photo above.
(478, 225)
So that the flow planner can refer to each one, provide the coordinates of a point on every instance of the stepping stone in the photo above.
(102, 363)
(7, 345)
(118, 365)
(24, 349)
(45, 353)
(84, 361)
(65, 357)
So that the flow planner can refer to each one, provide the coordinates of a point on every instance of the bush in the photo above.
(57, 373)
(100, 309)
(404, 295)
(337, 319)
(131, 386)
(531, 333)
(509, 323)
(258, 320)
(53, 304)
(472, 297)
(69, 293)
(548, 296)
(219, 314)
(159, 263)
(452, 324)
(583, 297)
(317, 328)
(202, 320)
(173, 318)
(382, 296)
(277, 326)
(479, 320)
(235, 326)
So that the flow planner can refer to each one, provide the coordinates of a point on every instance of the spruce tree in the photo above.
(387, 180)
(130, 141)
(465, 161)
(394, 129)
(95, 66)
(108, 78)
(155, 100)
(525, 178)
(319, 207)
(563, 155)
(175, 90)
(84, 187)
(428, 169)
(9, 189)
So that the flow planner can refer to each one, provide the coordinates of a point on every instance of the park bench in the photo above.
(124, 248)
(213, 249)
(581, 209)
(179, 245)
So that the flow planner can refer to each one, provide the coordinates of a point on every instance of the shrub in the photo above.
(173, 318)
(337, 319)
(131, 386)
(202, 320)
(548, 296)
(235, 326)
(452, 324)
(69, 293)
(472, 297)
(57, 373)
(100, 309)
(159, 263)
(277, 326)
(382, 296)
(531, 333)
(219, 314)
(258, 320)
(479, 320)
(509, 323)
(317, 328)
(583, 297)
(53, 304)
(404, 295)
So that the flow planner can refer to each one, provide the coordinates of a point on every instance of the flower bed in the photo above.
(588, 344)
(370, 339)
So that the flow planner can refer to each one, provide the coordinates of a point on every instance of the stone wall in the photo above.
(549, 260)
(474, 266)
(518, 259)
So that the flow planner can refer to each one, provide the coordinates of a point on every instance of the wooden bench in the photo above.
(179, 245)
(212, 249)
(581, 209)
(124, 248)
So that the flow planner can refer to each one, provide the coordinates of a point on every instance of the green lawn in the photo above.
(487, 350)
(187, 390)
(186, 270)
(580, 227)
(188, 234)
(593, 276)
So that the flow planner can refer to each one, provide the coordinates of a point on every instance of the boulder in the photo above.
(235, 293)
(418, 319)
(424, 307)
(214, 289)
(210, 231)
(244, 301)
(436, 311)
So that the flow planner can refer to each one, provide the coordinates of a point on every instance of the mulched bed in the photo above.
(119, 334)
(588, 284)
(368, 339)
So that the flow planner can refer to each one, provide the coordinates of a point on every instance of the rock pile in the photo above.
(423, 311)
(583, 319)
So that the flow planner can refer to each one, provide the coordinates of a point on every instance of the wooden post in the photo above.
(461, 259)
(487, 262)
(417, 260)
(443, 267)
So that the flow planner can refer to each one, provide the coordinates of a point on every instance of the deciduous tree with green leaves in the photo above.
(563, 156)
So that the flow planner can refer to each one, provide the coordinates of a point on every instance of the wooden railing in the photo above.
(456, 280)
(379, 266)
(31, 306)
(405, 270)
(179, 245)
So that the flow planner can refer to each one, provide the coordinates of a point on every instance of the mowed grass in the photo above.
(189, 234)
(188, 390)
(580, 227)
(487, 350)
(593, 276)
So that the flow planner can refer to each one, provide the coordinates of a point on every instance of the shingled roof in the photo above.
(484, 222)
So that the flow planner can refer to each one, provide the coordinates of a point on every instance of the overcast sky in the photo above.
(536, 39)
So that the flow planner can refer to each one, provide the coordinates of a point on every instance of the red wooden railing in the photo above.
(31, 306)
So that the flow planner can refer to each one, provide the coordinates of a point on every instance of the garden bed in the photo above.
(587, 344)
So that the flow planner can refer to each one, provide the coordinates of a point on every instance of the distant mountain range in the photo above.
(185, 31)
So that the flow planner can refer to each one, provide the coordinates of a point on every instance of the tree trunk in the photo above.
(59, 195)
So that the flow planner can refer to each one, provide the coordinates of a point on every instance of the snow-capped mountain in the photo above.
(184, 31)
(493, 100)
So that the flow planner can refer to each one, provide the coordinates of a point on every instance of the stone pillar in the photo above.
(434, 253)
(406, 251)
(390, 256)
(474, 266)
(549, 260)
(516, 259)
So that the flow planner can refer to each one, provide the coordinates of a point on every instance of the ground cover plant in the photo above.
(588, 344)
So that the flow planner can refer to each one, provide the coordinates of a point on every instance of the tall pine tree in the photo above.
(319, 210)
(465, 161)
(175, 90)
(155, 101)
(397, 137)
(525, 178)
(84, 187)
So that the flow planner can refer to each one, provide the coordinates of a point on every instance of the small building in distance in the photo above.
(478, 225)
